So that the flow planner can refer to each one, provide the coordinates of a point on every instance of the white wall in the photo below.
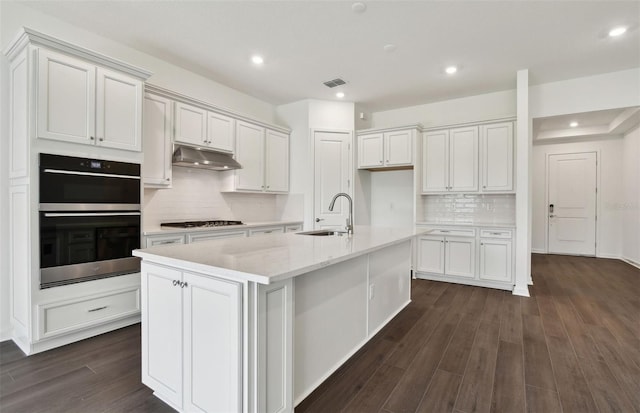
(586, 94)
(610, 192)
(392, 198)
(631, 202)
(449, 112)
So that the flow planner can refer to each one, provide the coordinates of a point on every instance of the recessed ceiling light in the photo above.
(451, 70)
(389, 48)
(573, 124)
(358, 7)
(257, 60)
(617, 31)
(340, 95)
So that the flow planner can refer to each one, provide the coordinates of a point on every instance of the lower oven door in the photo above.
(82, 246)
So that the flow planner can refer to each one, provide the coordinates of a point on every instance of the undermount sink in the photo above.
(323, 233)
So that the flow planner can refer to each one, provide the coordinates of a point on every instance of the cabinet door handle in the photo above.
(319, 219)
(175, 282)
(91, 138)
(100, 139)
(97, 309)
(183, 284)
(168, 179)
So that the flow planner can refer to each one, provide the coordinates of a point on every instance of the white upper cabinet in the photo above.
(156, 168)
(196, 126)
(66, 98)
(264, 156)
(250, 154)
(191, 124)
(390, 149)
(496, 161)
(398, 148)
(371, 151)
(83, 103)
(276, 159)
(450, 160)
(220, 132)
(463, 159)
(118, 111)
(435, 162)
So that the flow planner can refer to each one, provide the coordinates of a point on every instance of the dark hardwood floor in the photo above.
(574, 346)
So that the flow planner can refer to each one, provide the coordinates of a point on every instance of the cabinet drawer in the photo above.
(164, 240)
(496, 233)
(266, 231)
(62, 317)
(208, 236)
(293, 228)
(467, 232)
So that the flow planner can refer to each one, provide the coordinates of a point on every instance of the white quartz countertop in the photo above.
(275, 257)
(172, 230)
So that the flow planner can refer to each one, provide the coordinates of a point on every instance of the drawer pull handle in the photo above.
(167, 242)
(495, 233)
(97, 309)
(442, 230)
(268, 232)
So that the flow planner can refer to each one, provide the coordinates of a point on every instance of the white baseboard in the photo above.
(538, 251)
(609, 256)
(522, 291)
(631, 262)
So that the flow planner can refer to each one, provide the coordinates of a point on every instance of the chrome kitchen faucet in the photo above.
(349, 226)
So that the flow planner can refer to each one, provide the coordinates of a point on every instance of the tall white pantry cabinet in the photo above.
(65, 100)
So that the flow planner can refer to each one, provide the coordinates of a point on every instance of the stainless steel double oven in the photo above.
(89, 219)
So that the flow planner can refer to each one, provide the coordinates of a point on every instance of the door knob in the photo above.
(319, 219)
(551, 216)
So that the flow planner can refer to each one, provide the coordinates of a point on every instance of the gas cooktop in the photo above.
(200, 224)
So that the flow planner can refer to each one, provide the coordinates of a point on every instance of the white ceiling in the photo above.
(305, 43)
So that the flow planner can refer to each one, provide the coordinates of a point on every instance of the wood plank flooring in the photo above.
(574, 346)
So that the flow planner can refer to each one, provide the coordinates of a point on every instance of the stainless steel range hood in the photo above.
(203, 158)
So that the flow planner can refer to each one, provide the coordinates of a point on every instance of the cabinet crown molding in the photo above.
(170, 94)
(28, 36)
(417, 126)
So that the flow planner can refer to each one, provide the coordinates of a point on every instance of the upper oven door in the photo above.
(68, 183)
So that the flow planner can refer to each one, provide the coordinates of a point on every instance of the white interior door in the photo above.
(332, 174)
(572, 203)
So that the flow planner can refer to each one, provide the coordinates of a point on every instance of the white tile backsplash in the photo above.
(195, 195)
(469, 208)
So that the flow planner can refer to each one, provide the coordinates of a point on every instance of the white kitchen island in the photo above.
(256, 324)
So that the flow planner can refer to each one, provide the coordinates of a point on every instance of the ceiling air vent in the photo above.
(334, 83)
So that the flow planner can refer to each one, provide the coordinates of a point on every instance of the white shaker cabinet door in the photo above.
(370, 151)
(495, 260)
(156, 169)
(250, 154)
(162, 332)
(221, 131)
(463, 161)
(398, 148)
(435, 162)
(276, 162)
(66, 98)
(497, 157)
(460, 257)
(213, 344)
(430, 251)
(190, 124)
(118, 111)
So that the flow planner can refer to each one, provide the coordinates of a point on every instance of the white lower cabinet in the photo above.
(191, 339)
(496, 262)
(266, 231)
(454, 256)
(458, 255)
(207, 236)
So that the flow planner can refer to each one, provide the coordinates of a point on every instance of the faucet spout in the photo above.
(349, 226)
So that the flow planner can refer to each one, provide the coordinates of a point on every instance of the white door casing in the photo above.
(571, 189)
(332, 174)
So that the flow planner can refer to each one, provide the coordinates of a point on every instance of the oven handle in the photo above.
(60, 171)
(90, 214)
